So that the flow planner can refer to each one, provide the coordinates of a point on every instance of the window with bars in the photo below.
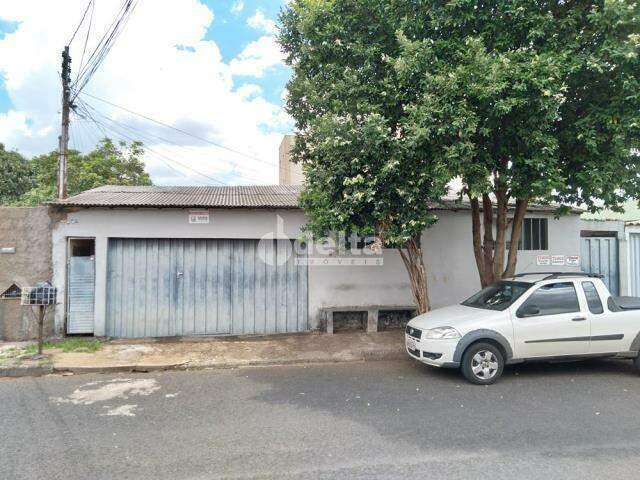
(535, 234)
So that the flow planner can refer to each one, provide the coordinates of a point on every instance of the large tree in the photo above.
(532, 101)
(524, 100)
(363, 175)
(108, 164)
(16, 178)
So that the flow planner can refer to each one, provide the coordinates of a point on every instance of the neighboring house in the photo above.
(616, 248)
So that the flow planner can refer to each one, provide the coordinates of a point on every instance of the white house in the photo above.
(164, 261)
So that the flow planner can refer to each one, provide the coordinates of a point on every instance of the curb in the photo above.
(364, 356)
(16, 371)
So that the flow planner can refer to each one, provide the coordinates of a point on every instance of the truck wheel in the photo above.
(482, 364)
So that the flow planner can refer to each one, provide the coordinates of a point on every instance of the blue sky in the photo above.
(5, 101)
(211, 67)
(229, 30)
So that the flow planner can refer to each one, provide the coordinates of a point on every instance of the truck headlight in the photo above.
(441, 333)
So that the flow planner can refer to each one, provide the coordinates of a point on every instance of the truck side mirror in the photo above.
(528, 311)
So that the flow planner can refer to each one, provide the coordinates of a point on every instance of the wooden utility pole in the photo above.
(64, 132)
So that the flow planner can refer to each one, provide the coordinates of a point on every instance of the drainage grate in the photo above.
(349, 321)
(394, 319)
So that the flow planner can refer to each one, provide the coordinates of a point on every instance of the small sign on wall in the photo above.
(543, 260)
(7, 249)
(199, 216)
(572, 261)
(557, 260)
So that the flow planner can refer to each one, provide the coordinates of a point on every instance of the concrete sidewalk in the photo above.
(217, 352)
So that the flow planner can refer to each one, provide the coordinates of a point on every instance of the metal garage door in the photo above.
(634, 264)
(600, 255)
(172, 287)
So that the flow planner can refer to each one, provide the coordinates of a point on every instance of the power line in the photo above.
(152, 138)
(83, 107)
(120, 128)
(184, 132)
(80, 23)
(86, 40)
(104, 45)
(106, 135)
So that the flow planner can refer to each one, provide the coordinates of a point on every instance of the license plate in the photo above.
(411, 343)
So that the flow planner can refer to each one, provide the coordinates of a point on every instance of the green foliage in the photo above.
(108, 164)
(527, 100)
(542, 98)
(16, 178)
(68, 345)
(362, 172)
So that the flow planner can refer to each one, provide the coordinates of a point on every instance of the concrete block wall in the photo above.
(28, 231)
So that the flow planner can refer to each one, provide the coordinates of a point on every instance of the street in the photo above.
(380, 419)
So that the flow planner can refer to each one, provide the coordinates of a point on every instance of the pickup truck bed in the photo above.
(618, 304)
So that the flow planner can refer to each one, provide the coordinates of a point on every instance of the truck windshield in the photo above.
(497, 296)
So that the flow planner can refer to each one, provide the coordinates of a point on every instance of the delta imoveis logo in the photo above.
(277, 248)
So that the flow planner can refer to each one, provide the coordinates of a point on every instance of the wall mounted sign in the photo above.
(543, 260)
(7, 249)
(199, 216)
(572, 261)
(557, 260)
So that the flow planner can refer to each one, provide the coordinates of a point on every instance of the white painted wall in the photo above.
(447, 249)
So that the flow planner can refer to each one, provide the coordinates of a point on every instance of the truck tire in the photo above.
(482, 363)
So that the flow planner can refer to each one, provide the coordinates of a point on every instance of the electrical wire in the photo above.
(103, 47)
(119, 132)
(80, 23)
(184, 132)
(86, 40)
(153, 138)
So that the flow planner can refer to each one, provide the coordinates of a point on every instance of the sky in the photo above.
(211, 68)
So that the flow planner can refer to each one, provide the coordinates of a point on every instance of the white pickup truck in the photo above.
(542, 316)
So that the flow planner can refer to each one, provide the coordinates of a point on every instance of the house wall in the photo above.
(28, 230)
(447, 249)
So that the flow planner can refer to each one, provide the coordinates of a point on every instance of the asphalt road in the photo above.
(359, 421)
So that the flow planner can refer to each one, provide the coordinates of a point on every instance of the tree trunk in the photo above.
(411, 254)
(476, 231)
(516, 230)
(501, 232)
(489, 253)
(488, 243)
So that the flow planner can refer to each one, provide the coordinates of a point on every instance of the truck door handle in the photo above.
(578, 319)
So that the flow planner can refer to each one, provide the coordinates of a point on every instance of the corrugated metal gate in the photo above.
(172, 287)
(80, 294)
(634, 264)
(600, 255)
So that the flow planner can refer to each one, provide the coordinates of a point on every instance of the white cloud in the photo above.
(237, 7)
(249, 90)
(161, 66)
(259, 22)
(257, 57)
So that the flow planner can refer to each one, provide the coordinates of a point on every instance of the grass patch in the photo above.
(69, 345)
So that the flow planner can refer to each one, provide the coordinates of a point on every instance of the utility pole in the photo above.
(64, 132)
